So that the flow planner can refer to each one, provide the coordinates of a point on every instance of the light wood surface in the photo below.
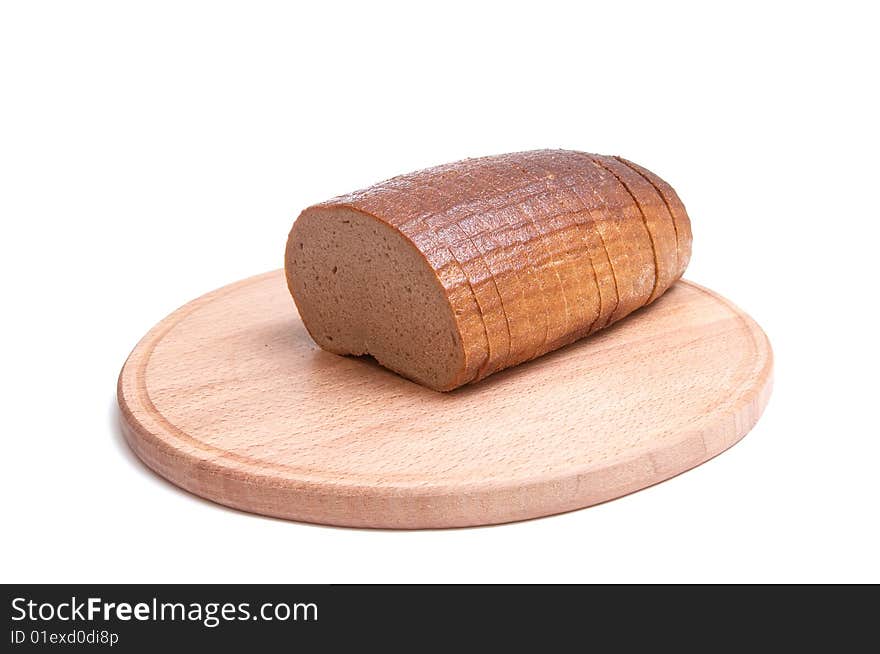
(229, 398)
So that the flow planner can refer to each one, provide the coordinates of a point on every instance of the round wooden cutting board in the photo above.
(229, 398)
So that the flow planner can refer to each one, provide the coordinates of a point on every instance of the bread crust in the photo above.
(681, 221)
(627, 239)
(501, 239)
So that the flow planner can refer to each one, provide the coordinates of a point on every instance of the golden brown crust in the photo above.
(625, 238)
(438, 194)
(681, 221)
(503, 240)
(657, 220)
(541, 207)
(571, 223)
(609, 294)
(535, 249)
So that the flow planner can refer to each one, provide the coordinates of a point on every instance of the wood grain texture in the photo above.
(531, 250)
(229, 398)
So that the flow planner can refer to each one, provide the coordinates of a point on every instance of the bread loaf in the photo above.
(449, 274)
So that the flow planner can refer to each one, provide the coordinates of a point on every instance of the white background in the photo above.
(150, 152)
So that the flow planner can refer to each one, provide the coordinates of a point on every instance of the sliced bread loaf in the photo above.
(449, 274)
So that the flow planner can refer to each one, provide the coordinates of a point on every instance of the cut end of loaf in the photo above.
(361, 288)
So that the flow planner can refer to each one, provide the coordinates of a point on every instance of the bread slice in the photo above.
(625, 237)
(490, 220)
(433, 198)
(606, 281)
(450, 274)
(406, 202)
(362, 288)
(542, 207)
(657, 220)
(681, 221)
(570, 222)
